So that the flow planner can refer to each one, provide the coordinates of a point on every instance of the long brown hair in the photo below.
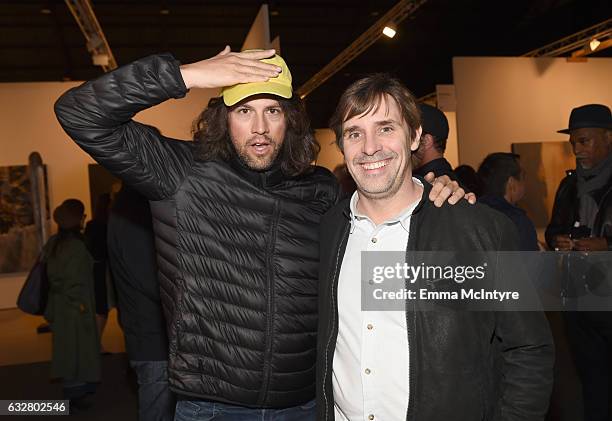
(299, 149)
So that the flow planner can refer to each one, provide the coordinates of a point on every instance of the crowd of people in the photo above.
(236, 262)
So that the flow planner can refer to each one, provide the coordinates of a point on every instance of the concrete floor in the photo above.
(20, 344)
(25, 369)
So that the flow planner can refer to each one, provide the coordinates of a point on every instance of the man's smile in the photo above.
(369, 166)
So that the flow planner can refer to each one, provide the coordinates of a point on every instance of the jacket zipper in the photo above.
(410, 365)
(270, 310)
(410, 247)
(334, 314)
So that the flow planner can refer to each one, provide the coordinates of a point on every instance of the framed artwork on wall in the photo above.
(21, 233)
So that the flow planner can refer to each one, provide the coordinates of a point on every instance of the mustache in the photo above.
(378, 156)
(260, 139)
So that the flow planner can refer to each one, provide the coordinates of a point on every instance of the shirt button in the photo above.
(371, 417)
(370, 327)
(367, 371)
(374, 239)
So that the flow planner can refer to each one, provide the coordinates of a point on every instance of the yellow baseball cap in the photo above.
(280, 85)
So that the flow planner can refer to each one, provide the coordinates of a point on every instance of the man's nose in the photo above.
(578, 148)
(260, 124)
(371, 145)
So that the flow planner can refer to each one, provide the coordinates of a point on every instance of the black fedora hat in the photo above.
(591, 115)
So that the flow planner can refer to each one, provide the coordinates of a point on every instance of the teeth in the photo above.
(374, 165)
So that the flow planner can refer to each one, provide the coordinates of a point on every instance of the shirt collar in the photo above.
(403, 218)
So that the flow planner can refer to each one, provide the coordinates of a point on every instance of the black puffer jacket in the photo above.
(238, 250)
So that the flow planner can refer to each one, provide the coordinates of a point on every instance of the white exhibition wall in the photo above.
(29, 124)
(505, 100)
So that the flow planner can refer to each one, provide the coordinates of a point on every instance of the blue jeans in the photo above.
(155, 400)
(214, 411)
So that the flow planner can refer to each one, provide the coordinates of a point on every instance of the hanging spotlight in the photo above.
(594, 44)
(100, 59)
(389, 31)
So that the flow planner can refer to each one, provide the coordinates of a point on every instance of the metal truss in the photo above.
(577, 43)
(97, 45)
(394, 16)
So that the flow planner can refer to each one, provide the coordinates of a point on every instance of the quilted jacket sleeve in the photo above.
(98, 117)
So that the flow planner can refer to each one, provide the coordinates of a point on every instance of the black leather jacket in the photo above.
(455, 357)
(565, 210)
(237, 250)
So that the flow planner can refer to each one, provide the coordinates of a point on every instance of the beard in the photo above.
(378, 187)
(252, 160)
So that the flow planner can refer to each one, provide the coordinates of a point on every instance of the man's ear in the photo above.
(510, 187)
(414, 145)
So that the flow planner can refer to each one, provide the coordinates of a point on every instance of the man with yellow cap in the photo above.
(236, 216)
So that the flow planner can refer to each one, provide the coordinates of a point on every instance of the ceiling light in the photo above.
(45, 11)
(389, 31)
(594, 44)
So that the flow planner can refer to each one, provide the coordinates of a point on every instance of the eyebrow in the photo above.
(238, 107)
(386, 122)
(350, 129)
(378, 123)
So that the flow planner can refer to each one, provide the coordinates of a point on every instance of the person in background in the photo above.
(468, 179)
(95, 238)
(71, 306)
(583, 196)
(582, 221)
(131, 252)
(429, 157)
(346, 182)
(503, 181)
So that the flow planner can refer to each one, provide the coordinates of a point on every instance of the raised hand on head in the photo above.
(229, 68)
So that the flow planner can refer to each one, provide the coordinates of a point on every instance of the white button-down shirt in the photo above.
(370, 368)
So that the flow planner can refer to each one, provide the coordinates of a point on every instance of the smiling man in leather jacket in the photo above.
(235, 215)
(414, 365)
